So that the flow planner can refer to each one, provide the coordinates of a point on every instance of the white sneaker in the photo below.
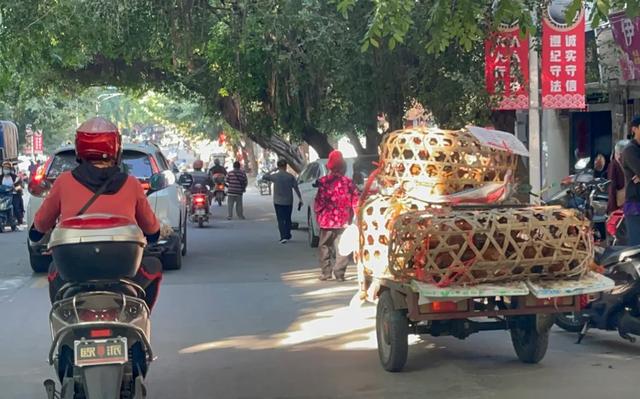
(284, 241)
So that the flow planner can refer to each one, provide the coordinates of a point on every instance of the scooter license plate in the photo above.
(200, 212)
(101, 351)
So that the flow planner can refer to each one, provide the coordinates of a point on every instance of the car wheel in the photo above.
(173, 260)
(295, 226)
(183, 252)
(314, 240)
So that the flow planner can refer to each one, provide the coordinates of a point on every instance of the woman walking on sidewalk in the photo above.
(335, 205)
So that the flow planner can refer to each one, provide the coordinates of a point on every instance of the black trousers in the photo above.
(149, 277)
(283, 214)
(18, 207)
(328, 250)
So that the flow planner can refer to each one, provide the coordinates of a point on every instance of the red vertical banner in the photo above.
(38, 147)
(563, 61)
(506, 56)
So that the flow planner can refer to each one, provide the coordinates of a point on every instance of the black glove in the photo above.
(35, 235)
(153, 238)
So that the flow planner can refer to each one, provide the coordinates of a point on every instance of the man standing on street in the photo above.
(631, 167)
(284, 184)
(335, 205)
(237, 185)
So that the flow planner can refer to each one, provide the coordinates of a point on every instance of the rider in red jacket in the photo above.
(99, 150)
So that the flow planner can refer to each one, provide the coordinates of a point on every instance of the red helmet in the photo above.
(198, 164)
(98, 139)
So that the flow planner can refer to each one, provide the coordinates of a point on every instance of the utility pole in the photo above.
(535, 177)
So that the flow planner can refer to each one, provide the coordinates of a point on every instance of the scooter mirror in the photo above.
(582, 163)
(39, 187)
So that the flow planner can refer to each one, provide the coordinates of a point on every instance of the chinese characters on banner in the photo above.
(37, 142)
(563, 63)
(626, 33)
(507, 68)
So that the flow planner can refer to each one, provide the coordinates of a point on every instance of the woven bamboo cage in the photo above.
(444, 161)
(490, 245)
(375, 220)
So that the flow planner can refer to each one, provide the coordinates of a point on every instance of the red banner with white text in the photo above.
(563, 62)
(506, 70)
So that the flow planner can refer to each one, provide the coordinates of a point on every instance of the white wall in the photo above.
(555, 137)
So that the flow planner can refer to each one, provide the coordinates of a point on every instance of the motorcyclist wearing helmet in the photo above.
(11, 179)
(98, 150)
(217, 168)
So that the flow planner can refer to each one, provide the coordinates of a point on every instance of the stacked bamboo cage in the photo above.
(404, 237)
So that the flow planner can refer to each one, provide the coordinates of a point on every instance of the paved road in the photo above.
(246, 318)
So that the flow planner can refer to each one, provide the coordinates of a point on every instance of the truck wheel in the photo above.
(39, 263)
(173, 260)
(392, 331)
(571, 322)
(529, 342)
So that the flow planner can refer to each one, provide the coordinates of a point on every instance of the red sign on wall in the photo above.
(563, 62)
(506, 56)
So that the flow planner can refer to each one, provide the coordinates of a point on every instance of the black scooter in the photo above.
(618, 309)
(7, 215)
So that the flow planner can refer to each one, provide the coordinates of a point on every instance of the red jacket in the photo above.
(336, 201)
(68, 196)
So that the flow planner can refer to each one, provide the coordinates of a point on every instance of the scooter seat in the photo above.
(616, 254)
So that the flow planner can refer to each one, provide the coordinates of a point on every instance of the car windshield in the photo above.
(136, 164)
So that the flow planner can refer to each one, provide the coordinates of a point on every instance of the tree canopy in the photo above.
(278, 71)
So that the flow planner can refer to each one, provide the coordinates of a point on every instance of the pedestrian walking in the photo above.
(631, 168)
(237, 185)
(335, 205)
(284, 184)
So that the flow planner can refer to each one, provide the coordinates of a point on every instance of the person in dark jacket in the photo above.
(11, 179)
(237, 185)
(631, 168)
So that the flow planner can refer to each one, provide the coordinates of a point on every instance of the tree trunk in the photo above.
(251, 156)
(283, 149)
(355, 141)
(318, 140)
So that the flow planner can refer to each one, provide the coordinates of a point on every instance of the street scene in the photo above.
(312, 199)
(260, 325)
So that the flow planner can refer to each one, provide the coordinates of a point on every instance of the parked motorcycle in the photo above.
(7, 215)
(587, 194)
(99, 320)
(199, 212)
(616, 310)
(219, 190)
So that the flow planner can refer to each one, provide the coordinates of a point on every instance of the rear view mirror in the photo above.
(582, 163)
(39, 186)
(157, 182)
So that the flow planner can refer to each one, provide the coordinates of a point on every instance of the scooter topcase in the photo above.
(97, 247)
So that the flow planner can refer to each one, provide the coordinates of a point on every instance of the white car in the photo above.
(358, 169)
(141, 161)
